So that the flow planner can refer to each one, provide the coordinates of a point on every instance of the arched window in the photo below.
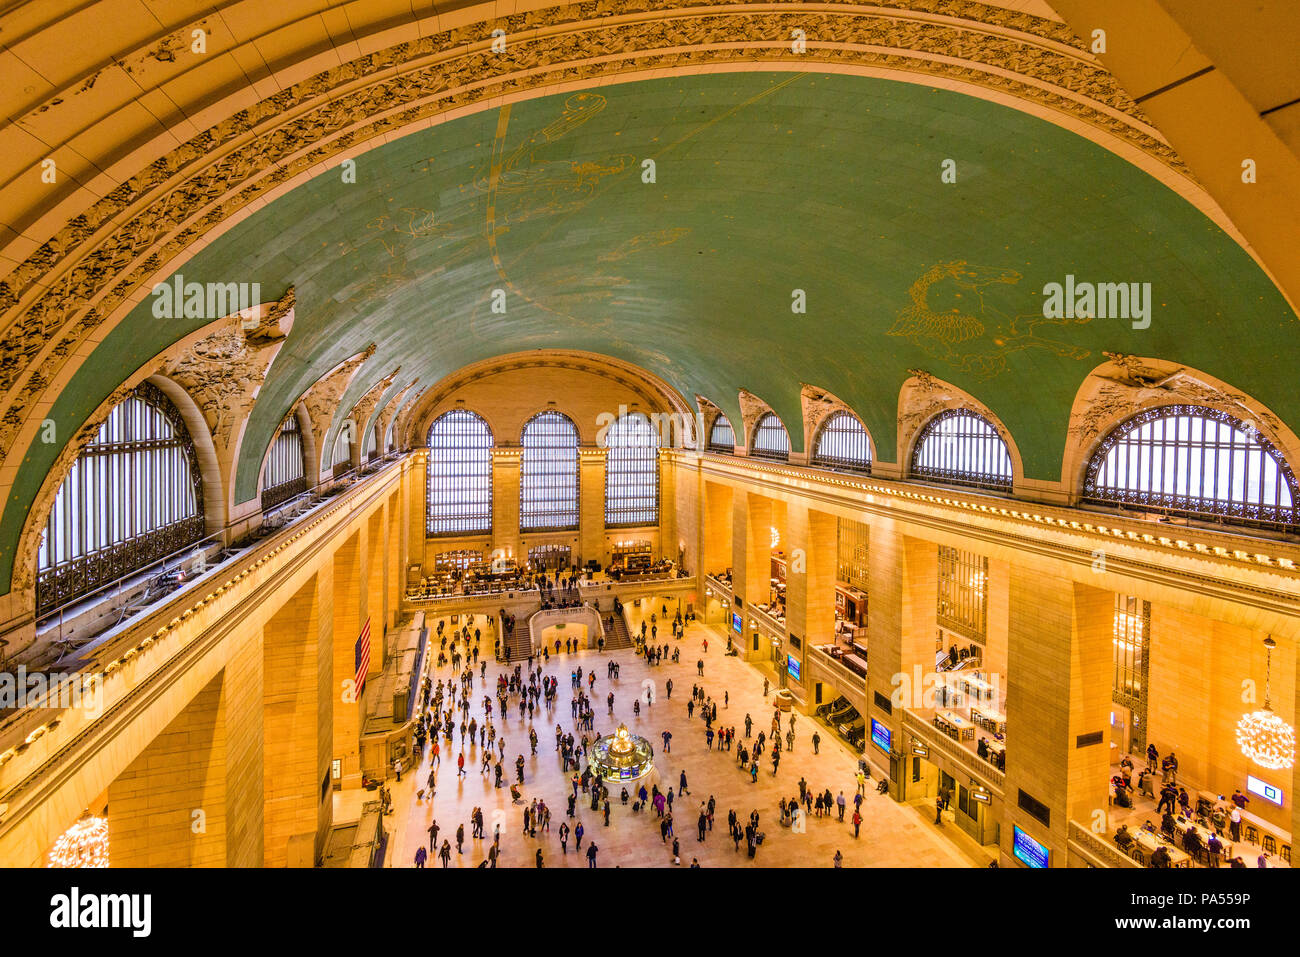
(284, 475)
(134, 495)
(342, 457)
(771, 441)
(842, 443)
(632, 472)
(960, 447)
(460, 474)
(388, 436)
(1194, 461)
(368, 451)
(722, 437)
(548, 481)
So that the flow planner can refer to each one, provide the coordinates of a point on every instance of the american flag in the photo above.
(361, 655)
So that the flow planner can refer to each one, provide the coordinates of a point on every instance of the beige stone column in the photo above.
(415, 488)
(373, 576)
(903, 583)
(193, 797)
(810, 583)
(1293, 701)
(1059, 679)
(591, 506)
(751, 560)
(297, 728)
(505, 501)
(348, 615)
(671, 512)
(394, 572)
(715, 528)
(242, 710)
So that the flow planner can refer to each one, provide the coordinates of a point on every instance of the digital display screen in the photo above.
(881, 736)
(735, 622)
(1028, 851)
(792, 666)
(1269, 792)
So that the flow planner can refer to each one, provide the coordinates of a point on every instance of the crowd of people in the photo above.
(449, 715)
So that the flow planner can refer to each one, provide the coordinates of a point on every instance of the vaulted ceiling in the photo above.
(659, 209)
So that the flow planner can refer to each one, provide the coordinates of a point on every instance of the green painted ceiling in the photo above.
(765, 183)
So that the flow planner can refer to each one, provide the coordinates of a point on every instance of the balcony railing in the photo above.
(1095, 847)
(994, 779)
(846, 677)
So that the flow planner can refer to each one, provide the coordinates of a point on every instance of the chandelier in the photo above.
(776, 537)
(1262, 735)
(85, 844)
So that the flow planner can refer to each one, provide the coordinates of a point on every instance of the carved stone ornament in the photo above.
(88, 271)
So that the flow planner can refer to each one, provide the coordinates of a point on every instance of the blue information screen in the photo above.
(735, 622)
(792, 666)
(881, 736)
(1028, 851)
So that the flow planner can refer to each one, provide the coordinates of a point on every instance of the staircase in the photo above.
(520, 644)
(618, 637)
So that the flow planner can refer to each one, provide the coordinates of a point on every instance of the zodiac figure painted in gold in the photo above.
(970, 334)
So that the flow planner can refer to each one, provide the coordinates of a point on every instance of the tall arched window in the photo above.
(722, 437)
(843, 444)
(284, 474)
(548, 481)
(961, 447)
(1194, 461)
(134, 495)
(632, 472)
(342, 457)
(460, 474)
(771, 441)
(369, 451)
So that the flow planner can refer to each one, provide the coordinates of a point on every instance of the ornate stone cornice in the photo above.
(655, 395)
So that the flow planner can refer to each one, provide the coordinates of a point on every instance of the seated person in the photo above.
(1161, 857)
(1123, 839)
(1192, 841)
(1167, 825)
(982, 749)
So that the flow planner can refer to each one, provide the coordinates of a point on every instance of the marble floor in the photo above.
(892, 835)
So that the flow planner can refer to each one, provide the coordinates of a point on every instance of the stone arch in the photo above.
(1125, 385)
(818, 407)
(922, 397)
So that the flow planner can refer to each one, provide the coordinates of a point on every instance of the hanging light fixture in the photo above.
(1262, 735)
(776, 537)
(85, 844)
